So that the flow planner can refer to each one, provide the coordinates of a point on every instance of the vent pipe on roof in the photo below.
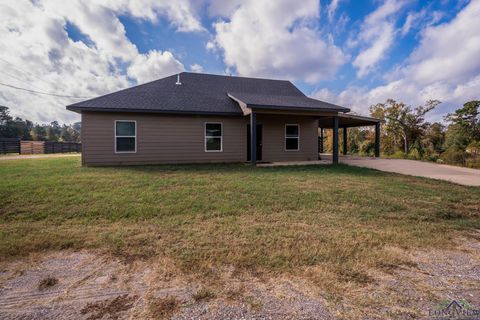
(178, 80)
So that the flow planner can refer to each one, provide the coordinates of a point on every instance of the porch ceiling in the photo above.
(347, 120)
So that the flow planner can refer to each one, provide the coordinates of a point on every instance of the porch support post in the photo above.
(320, 142)
(335, 141)
(345, 140)
(253, 137)
(377, 139)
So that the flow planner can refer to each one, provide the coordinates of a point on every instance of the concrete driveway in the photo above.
(464, 176)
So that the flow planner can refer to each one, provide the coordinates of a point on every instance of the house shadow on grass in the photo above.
(249, 169)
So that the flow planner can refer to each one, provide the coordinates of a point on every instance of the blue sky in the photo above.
(350, 52)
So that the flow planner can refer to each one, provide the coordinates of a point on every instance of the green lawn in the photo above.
(340, 220)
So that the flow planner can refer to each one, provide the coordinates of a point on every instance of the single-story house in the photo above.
(201, 118)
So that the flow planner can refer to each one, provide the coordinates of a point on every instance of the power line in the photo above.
(29, 74)
(21, 70)
(21, 80)
(45, 93)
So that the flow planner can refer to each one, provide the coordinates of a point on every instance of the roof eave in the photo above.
(79, 109)
(358, 117)
(293, 108)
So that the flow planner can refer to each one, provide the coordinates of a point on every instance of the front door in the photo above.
(259, 143)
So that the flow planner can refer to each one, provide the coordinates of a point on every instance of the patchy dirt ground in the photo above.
(88, 285)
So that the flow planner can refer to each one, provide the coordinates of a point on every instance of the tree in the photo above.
(39, 133)
(4, 115)
(27, 130)
(434, 138)
(401, 120)
(5, 119)
(13, 128)
(77, 129)
(468, 118)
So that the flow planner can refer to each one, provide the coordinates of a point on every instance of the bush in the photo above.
(414, 154)
(367, 148)
(453, 156)
(473, 163)
(434, 157)
(398, 155)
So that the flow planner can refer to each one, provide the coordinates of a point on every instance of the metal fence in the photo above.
(62, 147)
(8, 145)
(37, 147)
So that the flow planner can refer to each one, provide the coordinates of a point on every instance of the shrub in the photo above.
(434, 157)
(453, 156)
(414, 154)
(398, 155)
(367, 148)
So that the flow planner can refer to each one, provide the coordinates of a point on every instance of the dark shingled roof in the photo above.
(203, 94)
(296, 102)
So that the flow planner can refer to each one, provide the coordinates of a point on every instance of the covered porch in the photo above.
(344, 121)
(320, 120)
(327, 115)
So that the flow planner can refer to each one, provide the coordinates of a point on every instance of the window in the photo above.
(292, 137)
(125, 136)
(213, 137)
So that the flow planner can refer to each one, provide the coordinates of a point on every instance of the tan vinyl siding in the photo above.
(274, 138)
(180, 139)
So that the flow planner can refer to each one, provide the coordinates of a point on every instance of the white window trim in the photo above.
(297, 137)
(205, 136)
(115, 136)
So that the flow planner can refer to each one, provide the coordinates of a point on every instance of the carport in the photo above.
(345, 121)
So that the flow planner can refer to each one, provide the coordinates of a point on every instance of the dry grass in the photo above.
(163, 308)
(47, 282)
(110, 308)
(329, 224)
(204, 294)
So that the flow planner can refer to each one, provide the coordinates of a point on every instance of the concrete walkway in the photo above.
(464, 176)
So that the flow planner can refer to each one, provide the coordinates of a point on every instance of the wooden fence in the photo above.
(32, 147)
(37, 147)
(8, 145)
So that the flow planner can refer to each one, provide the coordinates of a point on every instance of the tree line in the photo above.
(19, 128)
(406, 134)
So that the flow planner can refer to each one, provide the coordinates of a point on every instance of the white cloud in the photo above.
(277, 39)
(180, 13)
(368, 58)
(411, 17)
(154, 65)
(331, 9)
(36, 52)
(223, 8)
(196, 68)
(444, 66)
(376, 36)
(421, 18)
